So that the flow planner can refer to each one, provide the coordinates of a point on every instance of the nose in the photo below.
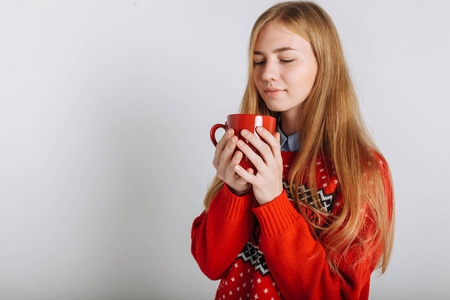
(270, 72)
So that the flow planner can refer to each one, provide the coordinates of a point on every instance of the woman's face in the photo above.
(284, 68)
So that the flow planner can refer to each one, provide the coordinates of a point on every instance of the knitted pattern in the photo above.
(269, 252)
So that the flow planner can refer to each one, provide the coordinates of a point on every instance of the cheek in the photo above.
(306, 76)
(256, 74)
(311, 73)
(257, 78)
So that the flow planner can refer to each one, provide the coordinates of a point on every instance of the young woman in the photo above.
(316, 219)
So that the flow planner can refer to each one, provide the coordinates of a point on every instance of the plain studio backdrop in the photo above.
(105, 154)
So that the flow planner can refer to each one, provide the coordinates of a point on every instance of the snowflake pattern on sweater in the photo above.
(283, 260)
(250, 277)
(247, 278)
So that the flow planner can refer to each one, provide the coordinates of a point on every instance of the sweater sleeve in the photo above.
(298, 261)
(220, 234)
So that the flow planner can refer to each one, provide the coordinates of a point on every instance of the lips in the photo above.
(273, 91)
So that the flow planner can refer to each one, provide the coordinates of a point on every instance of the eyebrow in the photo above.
(278, 50)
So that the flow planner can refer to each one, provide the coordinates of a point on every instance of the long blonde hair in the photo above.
(331, 127)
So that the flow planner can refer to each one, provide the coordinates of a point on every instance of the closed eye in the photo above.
(261, 62)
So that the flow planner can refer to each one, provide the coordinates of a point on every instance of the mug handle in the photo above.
(213, 132)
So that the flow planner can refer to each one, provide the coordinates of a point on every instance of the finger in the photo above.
(241, 180)
(278, 153)
(237, 157)
(263, 148)
(257, 161)
(272, 140)
(244, 174)
(228, 151)
(225, 138)
(278, 137)
(221, 145)
(235, 161)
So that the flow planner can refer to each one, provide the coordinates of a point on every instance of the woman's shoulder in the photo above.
(377, 163)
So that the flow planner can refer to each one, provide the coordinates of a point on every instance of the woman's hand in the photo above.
(225, 164)
(267, 183)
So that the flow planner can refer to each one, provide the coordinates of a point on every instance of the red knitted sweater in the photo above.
(269, 252)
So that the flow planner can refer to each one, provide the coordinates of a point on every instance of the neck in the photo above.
(289, 122)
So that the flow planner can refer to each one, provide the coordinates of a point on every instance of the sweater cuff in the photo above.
(276, 216)
(232, 206)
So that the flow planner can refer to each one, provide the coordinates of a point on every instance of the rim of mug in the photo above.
(250, 115)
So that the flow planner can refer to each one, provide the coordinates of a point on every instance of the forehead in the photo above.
(274, 35)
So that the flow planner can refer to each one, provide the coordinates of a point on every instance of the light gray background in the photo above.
(105, 154)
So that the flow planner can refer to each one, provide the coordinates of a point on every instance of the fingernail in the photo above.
(241, 143)
(237, 168)
(233, 139)
(230, 131)
(259, 129)
(244, 132)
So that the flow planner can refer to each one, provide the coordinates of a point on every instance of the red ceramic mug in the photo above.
(238, 122)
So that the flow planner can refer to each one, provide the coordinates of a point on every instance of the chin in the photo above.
(276, 108)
